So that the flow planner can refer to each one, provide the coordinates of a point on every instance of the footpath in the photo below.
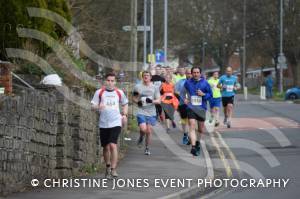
(170, 165)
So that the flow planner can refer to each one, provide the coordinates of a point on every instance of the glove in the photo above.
(140, 103)
(169, 97)
(135, 94)
(148, 100)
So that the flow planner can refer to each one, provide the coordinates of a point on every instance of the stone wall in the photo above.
(44, 135)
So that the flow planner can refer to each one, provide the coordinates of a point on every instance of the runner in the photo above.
(196, 94)
(106, 100)
(182, 106)
(215, 101)
(163, 71)
(169, 101)
(146, 95)
(168, 70)
(157, 80)
(180, 74)
(229, 85)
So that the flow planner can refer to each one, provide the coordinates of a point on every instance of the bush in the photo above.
(30, 68)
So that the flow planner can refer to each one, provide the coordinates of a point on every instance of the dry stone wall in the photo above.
(44, 135)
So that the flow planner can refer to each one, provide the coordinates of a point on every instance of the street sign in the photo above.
(281, 59)
(151, 58)
(159, 56)
(281, 62)
(139, 28)
(282, 65)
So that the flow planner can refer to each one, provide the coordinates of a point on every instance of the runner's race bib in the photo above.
(196, 100)
(229, 88)
(143, 99)
(111, 102)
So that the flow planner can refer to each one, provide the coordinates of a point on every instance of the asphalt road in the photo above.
(266, 136)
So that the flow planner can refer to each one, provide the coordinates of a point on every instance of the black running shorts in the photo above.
(199, 114)
(227, 100)
(109, 135)
(182, 109)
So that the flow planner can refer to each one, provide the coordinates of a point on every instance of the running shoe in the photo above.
(217, 124)
(108, 173)
(194, 152)
(140, 141)
(147, 151)
(225, 120)
(228, 124)
(185, 139)
(114, 173)
(168, 130)
(189, 143)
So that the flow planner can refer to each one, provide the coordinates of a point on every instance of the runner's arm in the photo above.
(124, 102)
(95, 102)
(184, 93)
(208, 93)
(237, 85)
(125, 110)
(220, 84)
(135, 95)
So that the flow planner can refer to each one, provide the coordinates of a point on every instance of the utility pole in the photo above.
(281, 57)
(145, 32)
(203, 52)
(243, 72)
(133, 46)
(166, 33)
(151, 27)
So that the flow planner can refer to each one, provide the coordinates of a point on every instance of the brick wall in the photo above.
(42, 135)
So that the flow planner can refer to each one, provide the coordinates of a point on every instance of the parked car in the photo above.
(292, 93)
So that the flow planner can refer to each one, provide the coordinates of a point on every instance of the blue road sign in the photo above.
(159, 56)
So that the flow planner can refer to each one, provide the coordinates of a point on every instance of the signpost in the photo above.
(282, 62)
(139, 28)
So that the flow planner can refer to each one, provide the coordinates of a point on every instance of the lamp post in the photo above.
(243, 72)
(281, 57)
(145, 32)
(204, 43)
(166, 33)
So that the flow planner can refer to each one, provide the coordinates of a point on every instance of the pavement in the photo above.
(264, 142)
(169, 160)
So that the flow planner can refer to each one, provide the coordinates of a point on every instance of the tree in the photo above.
(13, 15)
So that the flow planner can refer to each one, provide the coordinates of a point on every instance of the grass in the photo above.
(297, 101)
(91, 169)
(132, 124)
(254, 91)
(277, 96)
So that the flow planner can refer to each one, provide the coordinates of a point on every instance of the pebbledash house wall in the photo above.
(44, 135)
